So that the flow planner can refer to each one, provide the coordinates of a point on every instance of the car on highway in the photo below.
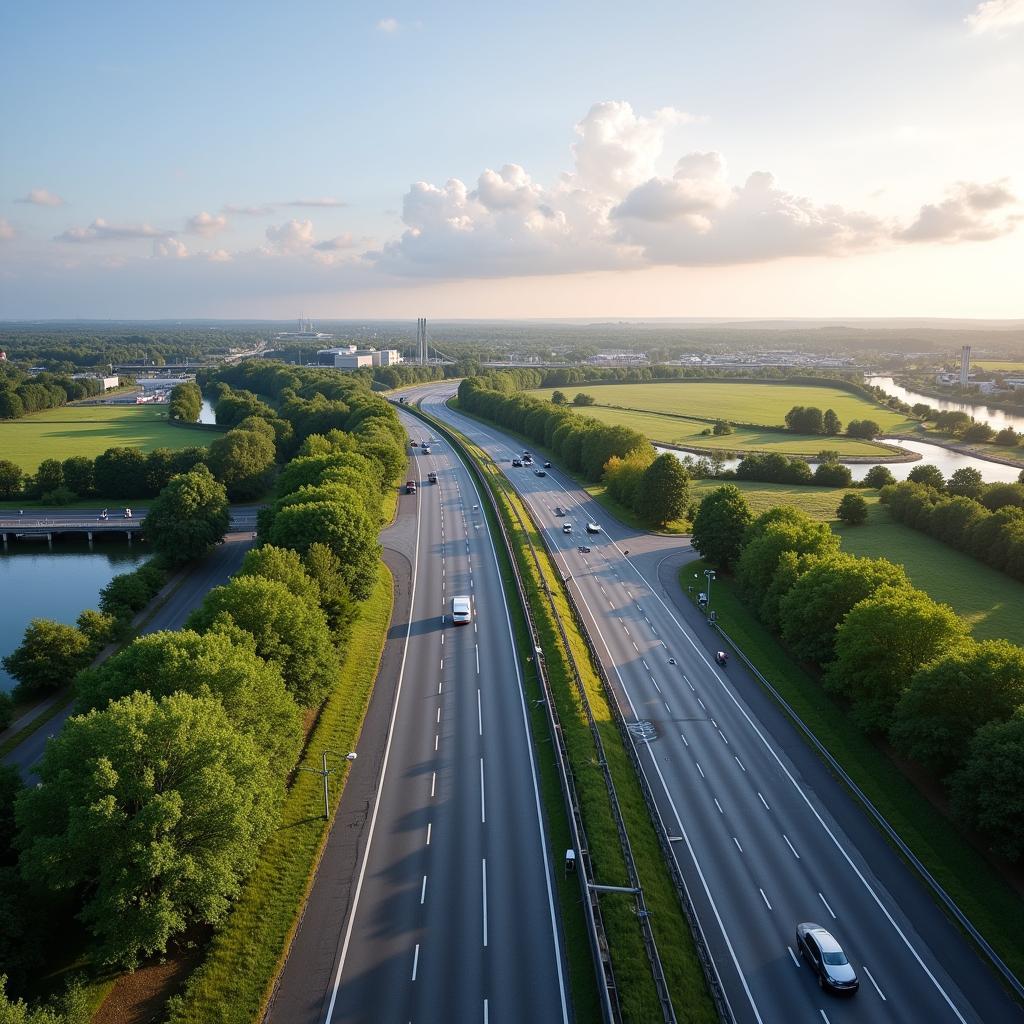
(826, 958)
(593, 528)
(127, 513)
(410, 486)
(432, 477)
(567, 528)
(559, 511)
(547, 465)
(426, 448)
(517, 462)
(540, 472)
(462, 613)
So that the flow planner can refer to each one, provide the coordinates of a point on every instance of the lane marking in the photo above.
(683, 738)
(415, 961)
(739, 762)
(791, 846)
(423, 890)
(761, 798)
(796, 959)
(827, 907)
(483, 866)
(433, 782)
(701, 770)
(719, 806)
(667, 708)
(765, 898)
(875, 983)
(483, 806)
(437, 737)
(429, 824)
(477, 646)
(479, 714)
(737, 842)
(656, 686)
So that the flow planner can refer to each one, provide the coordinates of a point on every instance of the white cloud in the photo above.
(997, 16)
(7, 232)
(388, 25)
(218, 256)
(41, 197)
(169, 249)
(970, 212)
(100, 231)
(291, 237)
(345, 241)
(206, 224)
(324, 202)
(248, 211)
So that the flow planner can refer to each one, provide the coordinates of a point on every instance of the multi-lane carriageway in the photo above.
(764, 836)
(453, 916)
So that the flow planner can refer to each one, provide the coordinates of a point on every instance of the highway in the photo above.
(764, 836)
(222, 563)
(447, 912)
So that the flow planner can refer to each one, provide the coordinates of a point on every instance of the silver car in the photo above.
(826, 958)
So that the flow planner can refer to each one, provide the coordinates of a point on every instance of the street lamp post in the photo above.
(710, 576)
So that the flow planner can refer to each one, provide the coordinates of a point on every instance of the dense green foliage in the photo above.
(189, 517)
(186, 402)
(720, 524)
(50, 653)
(853, 509)
(22, 393)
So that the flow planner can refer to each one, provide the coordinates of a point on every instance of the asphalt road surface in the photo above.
(449, 915)
(763, 835)
(214, 570)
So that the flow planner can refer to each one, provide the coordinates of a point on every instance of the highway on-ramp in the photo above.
(449, 916)
(764, 836)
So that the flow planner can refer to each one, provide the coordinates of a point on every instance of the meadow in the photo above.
(90, 430)
(1012, 365)
(819, 502)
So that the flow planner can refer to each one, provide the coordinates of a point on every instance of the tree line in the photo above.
(904, 665)
(184, 742)
(656, 488)
(22, 393)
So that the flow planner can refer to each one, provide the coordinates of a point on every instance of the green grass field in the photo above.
(819, 502)
(687, 433)
(989, 602)
(737, 401)
(91, 430)
(1013, 365)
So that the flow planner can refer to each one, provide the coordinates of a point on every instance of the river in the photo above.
(996, 418)
(59, 584)
(206, 413)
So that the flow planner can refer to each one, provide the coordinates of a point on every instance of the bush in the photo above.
(59, 496)
(50, 654)
(878, 477)
(853, 510)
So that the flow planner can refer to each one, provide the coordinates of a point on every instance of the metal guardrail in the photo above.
(933, 883)
(611, 1011)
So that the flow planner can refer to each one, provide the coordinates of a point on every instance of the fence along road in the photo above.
(761, 844)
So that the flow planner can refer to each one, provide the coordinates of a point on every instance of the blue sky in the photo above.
(161, 160)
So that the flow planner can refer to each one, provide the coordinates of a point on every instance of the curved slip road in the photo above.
(763, 835)
(447, 913)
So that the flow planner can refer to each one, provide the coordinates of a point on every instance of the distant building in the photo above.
(106, 382)
(965, 365)
(304, 333)
(348, 357)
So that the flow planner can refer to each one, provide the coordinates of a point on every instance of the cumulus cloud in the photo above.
(206, 224)
(218, 256)
(388, 25)
(41, 197)
(345, 241)
(324, 202)
(971, 212)
(247, 211)
(100, 231)
(996, 16)
(7, 232)
(169, 249)
(291, 237)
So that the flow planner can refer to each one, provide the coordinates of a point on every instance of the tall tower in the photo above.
(965, 365)
(421, 341)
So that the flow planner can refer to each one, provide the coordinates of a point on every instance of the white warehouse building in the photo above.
(348, 357)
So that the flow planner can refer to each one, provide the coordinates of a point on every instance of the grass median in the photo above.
(683, 973)
(988, 901)
(234, 982)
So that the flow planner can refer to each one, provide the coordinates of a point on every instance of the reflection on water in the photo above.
(38, 583)
(206, 412)
(996, 418)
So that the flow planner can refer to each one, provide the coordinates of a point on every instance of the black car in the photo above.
(547, 465)
(517, 462)
(539, 472)
(826, 958)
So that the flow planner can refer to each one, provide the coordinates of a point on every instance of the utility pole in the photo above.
(325, 773)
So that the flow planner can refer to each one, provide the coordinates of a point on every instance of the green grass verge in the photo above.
(635, 983)
(663, 428)
(738, 401)
(992, 906)
(235, 978)
(819, 502)
(990, 602)
(91, 430)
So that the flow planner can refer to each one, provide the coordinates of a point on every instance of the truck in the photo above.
(410, 486)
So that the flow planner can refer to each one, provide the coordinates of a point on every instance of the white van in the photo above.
(462, 614)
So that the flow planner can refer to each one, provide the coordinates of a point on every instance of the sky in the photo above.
(457, 159)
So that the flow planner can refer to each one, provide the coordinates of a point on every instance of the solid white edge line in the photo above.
(383, 774)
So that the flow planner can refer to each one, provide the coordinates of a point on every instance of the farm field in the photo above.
(819, 502)
(737, 401)
(989, 602)
(91, 430)
(1014, 365)
(687, 433)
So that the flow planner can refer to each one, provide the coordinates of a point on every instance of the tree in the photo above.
(879, 477)
(988, 792)
(288, 632)
(1007, 437)
(719, 526)
(11, 477)
(853, 509)
(243, 460)
(882, 642)
(283, 565)
(820, 598)
(949, 699)
(189, 517)
(832, 474)
(929, 475)
(558, 398)
(349, 529)
(160, 467)
(49, 476)
(153, 810)
(186, 402)
(98, 628)
(324, 568)
(663, 494)
(50, 654)
(208, 665)
(583, 399)
(867, 429)
(832, 423)
(72, 1007)
(79, 475)
(805, 420)
(121, 473)
(965, 482)
(997, 496)
(978, 432)
(721, 428)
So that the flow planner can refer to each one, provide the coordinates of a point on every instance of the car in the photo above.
(517, 462)
(593, 528)
(583, 549)
(426, 448)
(527, 461)
(526, 453)
(462, 613)
(547, 465)
(539, 472)
(559, 511)
(826, 959)
(567, 528)
(127, 513)
(432, 477)
(410, 486)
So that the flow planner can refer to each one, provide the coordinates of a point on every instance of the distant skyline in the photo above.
(453, 161)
